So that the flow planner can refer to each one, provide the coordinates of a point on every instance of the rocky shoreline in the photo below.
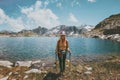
(80, 68)
(114, 37)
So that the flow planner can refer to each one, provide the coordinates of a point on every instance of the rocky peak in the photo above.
(110, 25)
(40, 30)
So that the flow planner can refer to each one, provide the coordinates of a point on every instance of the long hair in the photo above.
(63, 40)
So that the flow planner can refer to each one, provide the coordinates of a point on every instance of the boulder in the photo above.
(79, 68)
(5, 78)
(26, 76)
(88, 72)
(23, 63)
(36, 62)
(6, 64)
(89, 68)
(43, 64)
(33, 71)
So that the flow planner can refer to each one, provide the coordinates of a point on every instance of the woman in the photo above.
(61, 50)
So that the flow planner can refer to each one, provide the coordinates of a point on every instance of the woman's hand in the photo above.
(69, 50)
(56, 52)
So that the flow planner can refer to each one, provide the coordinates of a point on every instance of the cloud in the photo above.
(40, 17)
(72, 18)
(46, 3)
(15, 24)
(59, 5)
(75, 3)
(91, 1)
(31, 17)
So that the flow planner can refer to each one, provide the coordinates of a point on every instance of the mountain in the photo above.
(42, 31)
(86, 28)
(6, 33)
(69, 30)
(109, 26)
(34, 32)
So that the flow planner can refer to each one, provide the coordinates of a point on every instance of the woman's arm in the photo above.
(68, 49)
(57, 47)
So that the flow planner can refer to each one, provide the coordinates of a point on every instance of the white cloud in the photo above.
(72, 18)
(40, 17)
(75, 3)
(46, 3)
(59, 5)
(15, 24)
(91, 1)
(31, 17)
(2, 16)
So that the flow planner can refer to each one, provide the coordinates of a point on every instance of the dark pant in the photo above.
(62, 58)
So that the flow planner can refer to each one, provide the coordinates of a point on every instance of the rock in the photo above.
(96, 36)
(19, 68)
(88, 72)
(5, 78)
(45, 72)
(36, 66)
(1, 76)
(35, 62)
(26, 76)
(33, 71)
(6, 64)
(10, 73)
(23, 63)
(68, 63)
(16, 73)
(43, 64)
(114, 37)
(102, 37)
(79, 68)
(118, 40)
(89, 68)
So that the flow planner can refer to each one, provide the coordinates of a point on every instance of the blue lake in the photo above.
(25, 48)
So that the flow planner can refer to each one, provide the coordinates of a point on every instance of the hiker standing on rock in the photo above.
(61, 49)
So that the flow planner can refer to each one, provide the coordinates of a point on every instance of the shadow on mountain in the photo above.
(51, 76)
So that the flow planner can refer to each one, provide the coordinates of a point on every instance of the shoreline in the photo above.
(81, 67)
(85, 57)
(112, 37)
(74, 60)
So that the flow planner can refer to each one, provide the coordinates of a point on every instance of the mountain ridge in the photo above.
(42, 31)
(109, 28)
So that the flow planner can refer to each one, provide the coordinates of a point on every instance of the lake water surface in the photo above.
(24, 48)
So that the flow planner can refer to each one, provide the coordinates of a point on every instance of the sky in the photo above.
(16, 15)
